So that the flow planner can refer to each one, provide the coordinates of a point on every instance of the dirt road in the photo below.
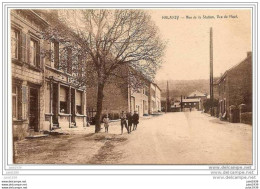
(172, 138)
(187, 138)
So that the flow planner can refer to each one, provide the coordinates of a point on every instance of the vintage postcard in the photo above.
(94, 85)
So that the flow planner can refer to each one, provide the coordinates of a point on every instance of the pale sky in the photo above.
(187, 52)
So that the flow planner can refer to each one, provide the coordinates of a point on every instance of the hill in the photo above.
(183, 87)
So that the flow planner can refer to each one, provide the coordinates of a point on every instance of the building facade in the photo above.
(119, 96)
(235, 88)
(191, 104)
(42, 95)
(154, 98)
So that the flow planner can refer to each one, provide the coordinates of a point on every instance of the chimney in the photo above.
(249, 53)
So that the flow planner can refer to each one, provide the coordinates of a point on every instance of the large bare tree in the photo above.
(114, 43)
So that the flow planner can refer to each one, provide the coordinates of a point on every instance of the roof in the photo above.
(157, 86)
(190, 100)
(249, 54)
(196, 94)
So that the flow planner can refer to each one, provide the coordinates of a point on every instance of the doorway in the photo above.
(34, 109)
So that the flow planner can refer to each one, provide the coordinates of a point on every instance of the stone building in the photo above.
(119, 96)
(235, 88)
(42, 95)
(154, 98)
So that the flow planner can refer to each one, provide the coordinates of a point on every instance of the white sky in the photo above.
(187, 52)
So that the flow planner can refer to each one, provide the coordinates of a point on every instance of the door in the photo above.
(34, 109)
(55, 103)
(73, 105)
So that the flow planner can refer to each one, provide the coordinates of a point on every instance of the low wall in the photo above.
(20, 131)
(64, 122)
(246, 118)
(80, 121)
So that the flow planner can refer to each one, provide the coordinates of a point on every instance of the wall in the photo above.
(240, 84)
(27, 74)
(235, 87)
(115, 98)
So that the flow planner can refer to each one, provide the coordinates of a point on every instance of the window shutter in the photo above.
(38, 57)
(56, 55)
(52, 54)
(69, 61)
(80, 65)
(23, 51)
(28, 50)
(19, 103)
(47, 55)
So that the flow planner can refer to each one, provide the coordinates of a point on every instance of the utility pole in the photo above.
(181, 103)
(211, 74)
(167, 98)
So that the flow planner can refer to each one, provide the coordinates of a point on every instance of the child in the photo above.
(106, 123)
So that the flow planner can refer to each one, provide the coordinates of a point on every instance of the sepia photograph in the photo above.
(131, 86)
(129, 94)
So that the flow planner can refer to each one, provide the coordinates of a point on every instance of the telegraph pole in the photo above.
(211, 73)
(167, 98)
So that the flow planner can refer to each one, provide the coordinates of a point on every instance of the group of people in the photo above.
(127, 120)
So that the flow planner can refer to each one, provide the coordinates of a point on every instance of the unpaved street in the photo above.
(188, 138)
(172, 138)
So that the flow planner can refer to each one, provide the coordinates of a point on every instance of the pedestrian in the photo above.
(135, 120)
(123, 122)
(130, 122)
(106, 123)
(190, 109)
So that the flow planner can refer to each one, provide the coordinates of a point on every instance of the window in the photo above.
(78, 102)
(154, 105)
(145, 105)
(153, 93)
(63, 100)
(15, 43)
(16, 102)
(146, 91)
(34, 52)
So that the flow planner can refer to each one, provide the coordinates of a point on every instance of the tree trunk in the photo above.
(100, 97)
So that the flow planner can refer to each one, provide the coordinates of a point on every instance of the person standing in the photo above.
(106, 123)
(123, 122)
(130, 122)
(135, 120)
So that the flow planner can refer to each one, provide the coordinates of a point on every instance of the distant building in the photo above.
(197, 94)
(176, 106)
(235, 88)
(199, 98)
(193, 103)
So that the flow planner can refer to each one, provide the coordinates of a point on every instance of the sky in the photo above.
(187, 52)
